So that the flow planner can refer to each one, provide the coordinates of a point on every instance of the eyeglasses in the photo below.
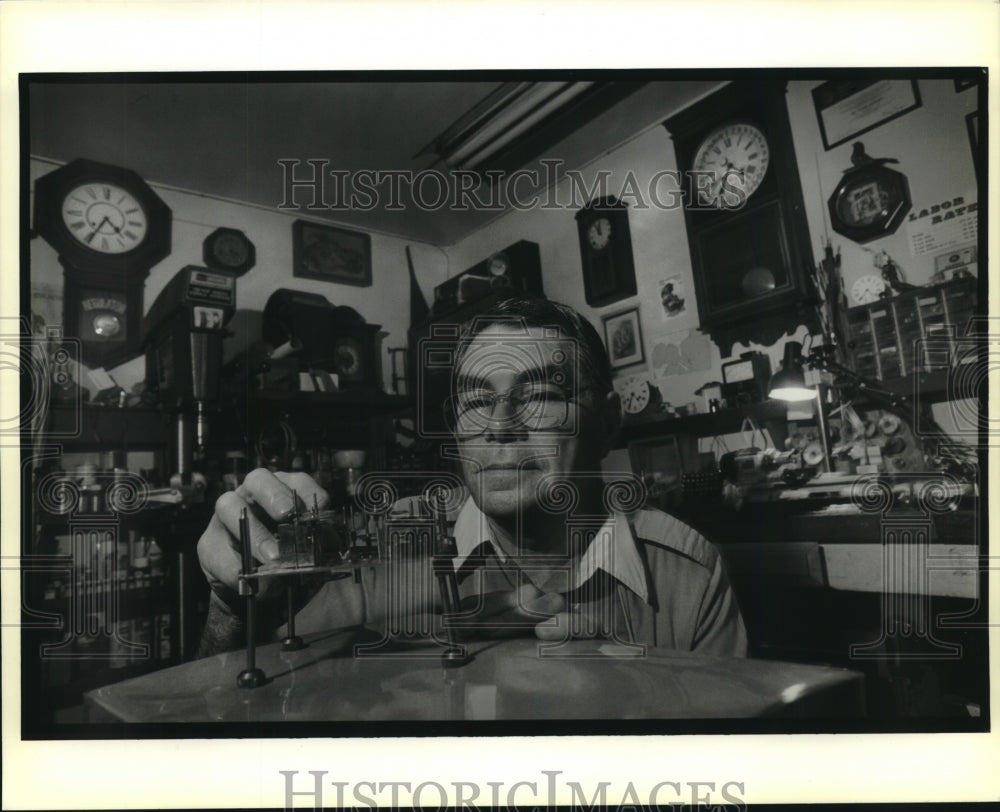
(533, 406)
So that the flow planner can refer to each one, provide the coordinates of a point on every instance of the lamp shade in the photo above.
(790, 383)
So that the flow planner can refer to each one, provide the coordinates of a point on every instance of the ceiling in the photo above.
(226, 138)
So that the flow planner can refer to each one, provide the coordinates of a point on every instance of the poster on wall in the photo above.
(943, 225)
(672, 298)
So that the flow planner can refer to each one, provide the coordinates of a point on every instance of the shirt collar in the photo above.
(612, 550)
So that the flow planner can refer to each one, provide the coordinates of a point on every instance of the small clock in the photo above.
(498, 267)
(227, 249)
(599, 233)
(355, 349)
(640, 396)
(606, 252)
(867, 289)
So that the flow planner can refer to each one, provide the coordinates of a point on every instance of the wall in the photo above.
(195, 216)
(931, 144)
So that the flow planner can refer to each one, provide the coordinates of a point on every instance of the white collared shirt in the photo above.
(613, 549)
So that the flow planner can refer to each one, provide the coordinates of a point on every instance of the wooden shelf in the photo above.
(726, 421)
(378, 402)
(90, 427)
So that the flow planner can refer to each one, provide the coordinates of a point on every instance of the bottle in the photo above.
(155, 556)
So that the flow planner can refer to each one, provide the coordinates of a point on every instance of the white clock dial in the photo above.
(867, 289)
(497, 265)
(637, 397)
(599, 233)
(104, 217)
(734, 158)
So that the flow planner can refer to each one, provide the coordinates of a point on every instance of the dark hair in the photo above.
(595, 367)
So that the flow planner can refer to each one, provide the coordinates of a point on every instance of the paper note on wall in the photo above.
(678, 353)
(944, 225)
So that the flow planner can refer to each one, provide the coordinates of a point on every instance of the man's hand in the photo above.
(512, 612)
(268, 498)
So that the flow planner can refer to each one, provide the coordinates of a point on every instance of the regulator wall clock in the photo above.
(606, 252)
(109, 228)
(744, 212)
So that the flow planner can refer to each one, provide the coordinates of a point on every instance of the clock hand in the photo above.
(98, 227)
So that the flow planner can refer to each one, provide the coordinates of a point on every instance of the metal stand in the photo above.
(251, 676)
(454, 655)
(291, 642)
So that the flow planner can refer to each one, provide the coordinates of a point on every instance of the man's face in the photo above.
(504, 464)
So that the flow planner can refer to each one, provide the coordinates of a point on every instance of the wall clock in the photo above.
(606, 251)
(871, 199)
(109, 228)
(228, 249)
(744, 213)
(354, 352)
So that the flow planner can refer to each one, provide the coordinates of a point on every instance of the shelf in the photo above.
(725, 421)
(378, 402)
(91, 427)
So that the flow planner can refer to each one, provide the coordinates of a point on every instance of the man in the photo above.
(541, 544)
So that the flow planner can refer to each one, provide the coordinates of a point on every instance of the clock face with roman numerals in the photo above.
(734, 159)
(104, 217)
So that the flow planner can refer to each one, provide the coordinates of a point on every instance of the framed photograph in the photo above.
(847, 108)
(623, 338)
(331, 254)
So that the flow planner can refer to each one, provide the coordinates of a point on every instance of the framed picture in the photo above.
(331, 254)
(623, 338)
(847, 108)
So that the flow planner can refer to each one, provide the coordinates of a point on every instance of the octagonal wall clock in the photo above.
(109, 228)
(871, 200)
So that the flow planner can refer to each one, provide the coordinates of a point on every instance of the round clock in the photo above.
(498, 267)
(735, 157)
(227, 249)
(104, 217)
(867, 289)
(347, 357)
(639, 396)
(599, 233)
